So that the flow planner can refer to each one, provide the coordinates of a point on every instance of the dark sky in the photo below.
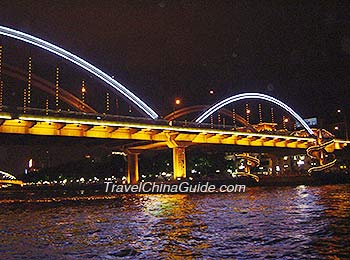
(297, 52)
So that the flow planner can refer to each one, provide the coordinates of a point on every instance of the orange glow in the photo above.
(83, 89)
(248, 111)
(286, 120)
(177, 101)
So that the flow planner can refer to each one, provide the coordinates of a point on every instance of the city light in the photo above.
(30, 163)
(81, 63)
(57, 91)
(177, 101)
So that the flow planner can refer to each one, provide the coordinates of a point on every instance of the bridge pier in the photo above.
(133, 168)
(274, 163)
(179, 162)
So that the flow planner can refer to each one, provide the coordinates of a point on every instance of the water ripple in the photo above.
(276, 223)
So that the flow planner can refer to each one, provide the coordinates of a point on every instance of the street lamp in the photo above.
(285, 121)
(83, 92)
(176, 103)
(247, 112)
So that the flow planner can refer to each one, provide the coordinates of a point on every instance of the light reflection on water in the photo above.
(283, 223)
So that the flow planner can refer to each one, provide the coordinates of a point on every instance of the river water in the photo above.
(278, 223)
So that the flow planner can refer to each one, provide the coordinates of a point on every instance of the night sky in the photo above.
(299, 53)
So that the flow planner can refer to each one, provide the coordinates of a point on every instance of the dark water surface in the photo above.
(277, 223)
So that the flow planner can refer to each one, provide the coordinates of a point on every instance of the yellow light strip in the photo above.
(5, 116)
(341, 141)
(155, 127)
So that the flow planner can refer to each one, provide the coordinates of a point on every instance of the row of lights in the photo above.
(27, 97)
(27, 90)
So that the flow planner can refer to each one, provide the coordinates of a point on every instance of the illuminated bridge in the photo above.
(153, 131)
(158, 134)
(6, 178)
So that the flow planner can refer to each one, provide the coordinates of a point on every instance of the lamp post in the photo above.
(83, 93)
(247, 112)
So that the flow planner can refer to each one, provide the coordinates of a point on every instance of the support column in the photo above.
(273, 158)
(179, 162)
(133, 168)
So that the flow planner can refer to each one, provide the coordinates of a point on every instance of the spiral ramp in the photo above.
(250, 162)
(323, 152)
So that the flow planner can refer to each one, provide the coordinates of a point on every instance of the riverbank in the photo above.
(264, 180)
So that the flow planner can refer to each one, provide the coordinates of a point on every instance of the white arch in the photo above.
(81, 63)
(11, 177)
(238, 97)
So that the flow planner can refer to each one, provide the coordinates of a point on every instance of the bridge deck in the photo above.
(14, 182)
(161, 134)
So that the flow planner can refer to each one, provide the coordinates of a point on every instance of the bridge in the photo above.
(7, 178)
(154, 131)
(156, 134)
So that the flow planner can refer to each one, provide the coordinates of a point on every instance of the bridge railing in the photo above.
(117, 118)
(15, 112)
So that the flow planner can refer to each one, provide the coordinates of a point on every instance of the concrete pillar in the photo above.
(179, 162)
(274, 163)
(133, 168)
